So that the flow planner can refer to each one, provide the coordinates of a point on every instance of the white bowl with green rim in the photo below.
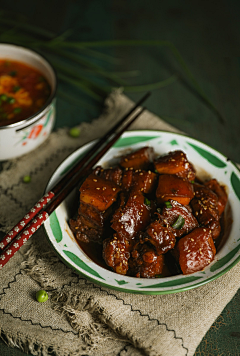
(208, 163)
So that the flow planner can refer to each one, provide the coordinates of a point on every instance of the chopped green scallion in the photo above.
(16, 88)
(147, 202)
(11, 100)
(3, 97)
(13, 73)
(179, 223)
(168, 205)
(17, 110)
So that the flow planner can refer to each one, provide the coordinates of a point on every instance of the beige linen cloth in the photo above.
(81, 318)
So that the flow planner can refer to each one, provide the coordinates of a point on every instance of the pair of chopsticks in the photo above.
(40, 212)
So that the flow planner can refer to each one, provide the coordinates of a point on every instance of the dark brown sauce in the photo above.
(226, 225)
(94, 251)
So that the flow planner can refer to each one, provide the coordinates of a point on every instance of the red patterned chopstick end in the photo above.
(15, 245)
(29, 216)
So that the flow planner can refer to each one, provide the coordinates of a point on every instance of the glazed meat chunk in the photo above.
(205, 208)
(127, 179)
(97, 196)
(196, 250)
(85, 230)
(116, 253)
(98, 192)
(175, 188)
(175, 162)
(145, 181)
(140, 159)
(145, 262)
(128, 220)
(220, 191)
(160, 237)
(112, 174)
(170, 214)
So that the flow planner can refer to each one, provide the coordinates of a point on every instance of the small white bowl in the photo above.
(208, 163)
(21, 137)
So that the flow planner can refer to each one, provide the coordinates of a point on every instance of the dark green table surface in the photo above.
(207, 34)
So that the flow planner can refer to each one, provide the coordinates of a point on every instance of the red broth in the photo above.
(23, 91)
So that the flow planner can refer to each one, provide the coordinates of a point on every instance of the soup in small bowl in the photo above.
(27, 100)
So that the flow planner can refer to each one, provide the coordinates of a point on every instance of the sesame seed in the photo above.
(150, 181)
(155, 233)
(196, 213)
(98, 188)
(192, 239)
(134, 197)
(204, 230)
(125, 159)
(141, 174)
(114, 189)
(141, 189)
(76, 228)
(95, 180)
(201, 211)
(122, 227)
(189, 250)
(104, 188)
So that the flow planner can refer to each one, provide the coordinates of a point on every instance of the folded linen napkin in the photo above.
(81, 318)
